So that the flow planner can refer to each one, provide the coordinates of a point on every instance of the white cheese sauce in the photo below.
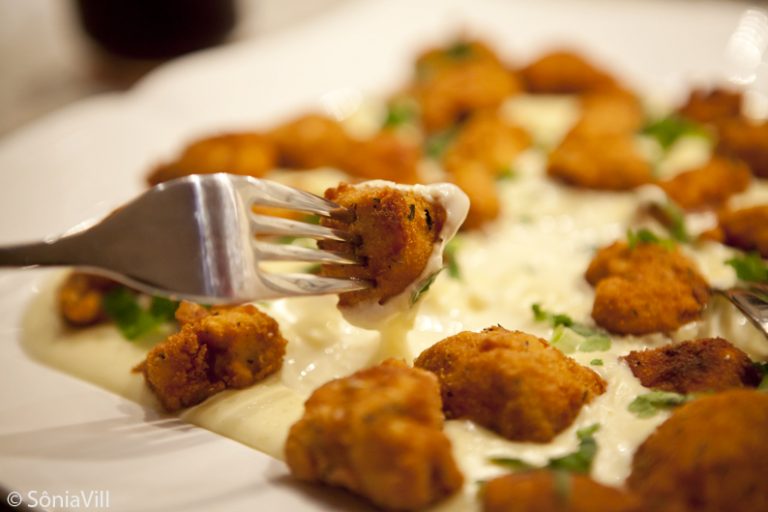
(536, 252)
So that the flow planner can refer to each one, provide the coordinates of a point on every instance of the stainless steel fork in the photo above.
(194, 238)
(752, 301)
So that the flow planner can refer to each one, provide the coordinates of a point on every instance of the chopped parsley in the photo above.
(411, 212)
(459, 50)
(451, 263)
(667, 130)
(436, 144)
(579, 461)
(749, 267)
(596, 362)
(569, 336)
(646, 236)
(506, 174)
(423, 287)
(675, 218)
(134, 320)
(763, 369)
(648, 405)
(400, 112)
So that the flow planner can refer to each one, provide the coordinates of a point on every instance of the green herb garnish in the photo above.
(423, 287)
(596, 362)
(436, 144)
(666, 131)
(133, 320)
(675, 217)
(750, 267)
(569, 336)
(449, 255)
(646, 236)
(400, 112)
(459, 50)
(555, 319)
(648, 405)
(512, 463)
(506, 174)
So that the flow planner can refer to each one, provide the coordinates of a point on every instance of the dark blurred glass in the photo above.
(156, 29)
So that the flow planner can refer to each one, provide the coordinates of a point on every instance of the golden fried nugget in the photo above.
(610, 112)
(377, 433)
(81, 298)
(709, 185)
(709, 456)
(746, 228)
(711, 106)
(393, 235)
(645, 289)
(709, 364)
(565, 72)
(230, 347)
(436, 60)
(248, 154)
(747, 140)
(480, 186)
(385, 156)
(488, 139)
(605, 162)
(310, 141)
(547, 491)
(510, 382)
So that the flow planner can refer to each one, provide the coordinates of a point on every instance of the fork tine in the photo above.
(267, 225)
(310, 284)
(282, 252)
(277, 195)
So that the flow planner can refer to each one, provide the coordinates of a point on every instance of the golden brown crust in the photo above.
(480, 186)
(223, 348)
(609, 112)
(81, 298)
(250, 154)
(710, 364)
(511, 382)
(710, 455)
(709, 185)
(377, 433)
(712, 105)
(645, 289)
(565, 72)
(385, 156)
(746, 228)
(746, 140)
(540, 491)
(310, 141)
(393, 236)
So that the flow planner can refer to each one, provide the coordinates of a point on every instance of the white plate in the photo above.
(59, 434)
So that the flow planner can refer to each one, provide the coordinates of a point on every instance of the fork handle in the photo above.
(69, 250)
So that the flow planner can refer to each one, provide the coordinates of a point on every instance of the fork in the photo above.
(752, 301)
(194, 238)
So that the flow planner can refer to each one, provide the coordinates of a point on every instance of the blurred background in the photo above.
(47, 58)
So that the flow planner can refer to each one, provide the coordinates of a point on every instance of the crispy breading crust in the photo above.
(81, 298)
(711, 106)
(645, 289)
(511, 382)
(384, 156)
(746, 228)
(709, 185)
(393, 235)
(377, 433)
(747, 140)
(710, 364)
(250, 154)
(710, 455)
(540, 491)
(564, 72)
(225, 348)
(310, 141)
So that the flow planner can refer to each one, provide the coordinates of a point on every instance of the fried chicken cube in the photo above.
(453, 82)
(746, 228)
(81, 298)
(747, 140)
(712, 105)
(480, 186)
(393, 233)
(609, 112)
(708, 364)
(547, 491)
(226, 347)
(248, 154)
(565, 72)
(644, 289)
(605, 162)
(709, 185)
(377, 433)
(385, 156)
(310, 141)
(510, 382)
(710, 455)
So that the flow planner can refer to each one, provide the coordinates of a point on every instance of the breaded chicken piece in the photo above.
(480, 186)
(606, 162)
(455, 81)
(712, 105)
(510, 382)
(385, 156)
(710, 455)
(547, 491)
(709, 364)
(393, 233)
(747, 140)
(248, 154)
(81, 298)
(645, 289)
(746, 228)
(228, 347)
(709, 185)
(310, 141)
(611, 112)
(377, 433)
(565, 72)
